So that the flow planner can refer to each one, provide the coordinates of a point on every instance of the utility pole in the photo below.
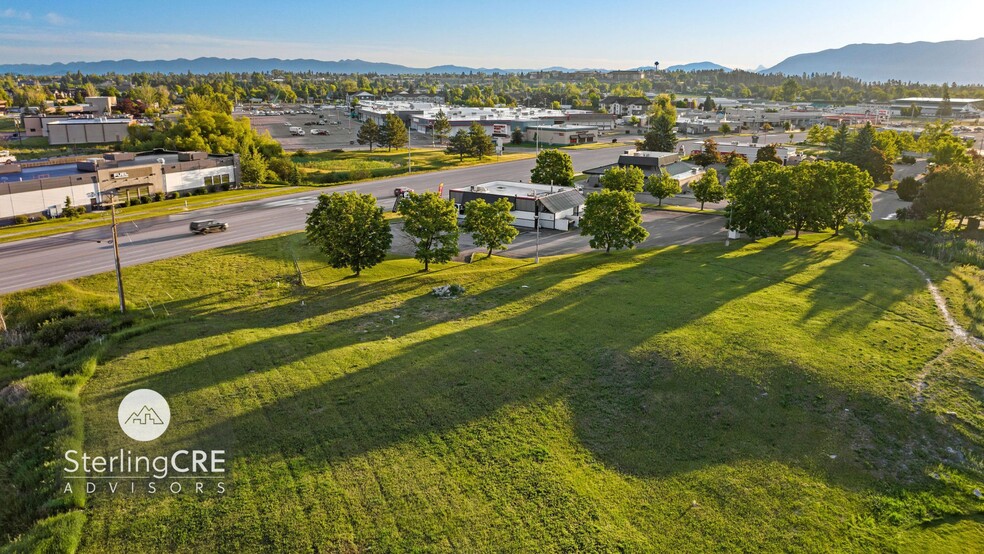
(116, 254)
(536, 224)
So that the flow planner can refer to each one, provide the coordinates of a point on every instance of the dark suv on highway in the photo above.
(207, 226)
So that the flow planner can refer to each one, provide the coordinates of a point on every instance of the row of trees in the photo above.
(767, 199)
(475, 143)
(352, 232)
(392, 134)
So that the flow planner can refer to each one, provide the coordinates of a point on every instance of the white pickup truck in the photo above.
(297, 131)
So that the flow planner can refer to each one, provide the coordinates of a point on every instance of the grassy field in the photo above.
(762, 397)
(341, 167)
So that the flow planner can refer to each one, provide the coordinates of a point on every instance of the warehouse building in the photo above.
(40, 187)
(557, 207)
(561, 135)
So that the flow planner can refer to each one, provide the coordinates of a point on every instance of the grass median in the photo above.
(144, 211)
(729, 398)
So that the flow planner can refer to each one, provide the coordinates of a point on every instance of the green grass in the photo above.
(964, 288)
(31, 148)
(583, 404)
(143, 211)
(341, 167)
(685, 209)
(7, 124)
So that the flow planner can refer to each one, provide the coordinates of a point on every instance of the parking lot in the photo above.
(334, 120)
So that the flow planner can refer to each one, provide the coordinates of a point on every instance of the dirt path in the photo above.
(958, 334)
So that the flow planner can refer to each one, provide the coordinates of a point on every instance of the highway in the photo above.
(34, 262)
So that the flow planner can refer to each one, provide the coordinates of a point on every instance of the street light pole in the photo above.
(536, 225)
(116, 254)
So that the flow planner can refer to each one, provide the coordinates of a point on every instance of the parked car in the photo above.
(207, 226)
(402, 192)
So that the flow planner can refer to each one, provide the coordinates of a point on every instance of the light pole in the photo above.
(116, 254)
(536, 225)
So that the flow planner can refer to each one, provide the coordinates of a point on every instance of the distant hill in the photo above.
(925, 62)
(247, 65)
(698, 66)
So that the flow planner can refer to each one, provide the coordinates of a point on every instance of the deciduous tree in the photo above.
(432, 224)
(708, 188)
(553, 167)
(613, 219)
(760, 199)
(623, 178)
(661, 185)
(491, 225)
(350, 230)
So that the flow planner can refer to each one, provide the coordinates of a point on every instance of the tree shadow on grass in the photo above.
(577, 340)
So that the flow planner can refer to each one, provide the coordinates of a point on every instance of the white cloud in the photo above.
(11, 13)
(55, 19)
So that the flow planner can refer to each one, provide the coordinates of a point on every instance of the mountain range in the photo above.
(957, 61)
(698, 66)
(927, 62)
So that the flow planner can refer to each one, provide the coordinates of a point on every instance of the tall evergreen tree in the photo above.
(393, 133)
(660, 137)
(369, 133)
(946, 109)
(442, 127)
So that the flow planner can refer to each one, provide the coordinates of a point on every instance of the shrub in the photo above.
(145, 199)
(213, 188)
(300, 153)
(909, 160)
(158, 196)
(198, 192)
(338, 151)
(226, 186)
(908, 189)
(132, 202)
(20, 219)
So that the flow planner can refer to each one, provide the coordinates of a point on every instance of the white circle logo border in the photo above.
(144, 415)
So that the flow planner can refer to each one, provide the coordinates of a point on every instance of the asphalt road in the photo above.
(34, 262)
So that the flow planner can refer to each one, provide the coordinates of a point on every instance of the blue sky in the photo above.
(497, 33)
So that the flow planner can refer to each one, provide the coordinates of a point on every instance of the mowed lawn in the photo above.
(758, 397)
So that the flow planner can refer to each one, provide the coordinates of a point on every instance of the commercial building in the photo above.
(498, 122)
(561, 134)
(649, 162)
(40, 187)
(88, 131)
(557, 207)
(85, 129)
(750, 150)
(929, 107)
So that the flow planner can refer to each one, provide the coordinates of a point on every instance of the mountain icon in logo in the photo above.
(146, 416)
